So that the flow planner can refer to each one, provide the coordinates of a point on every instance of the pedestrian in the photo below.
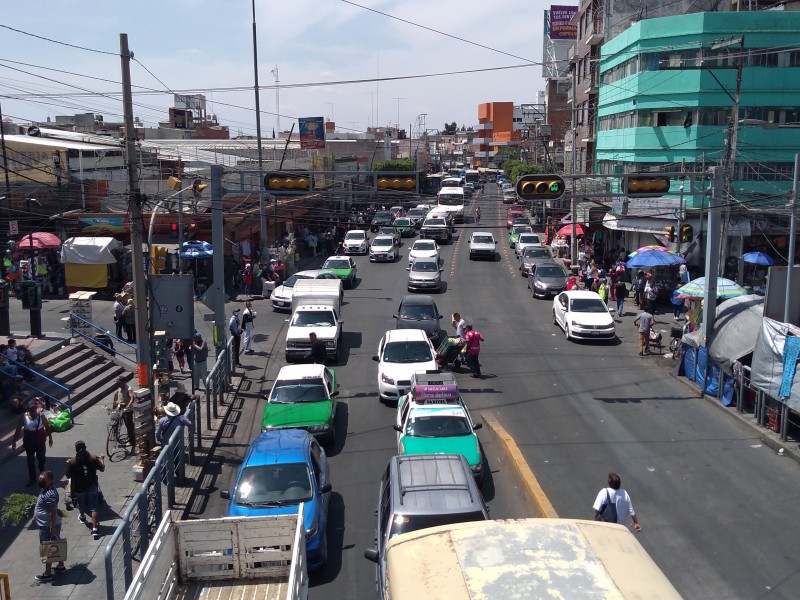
(168, 354)
(318, 353)
(619, 499)
(200, 355)
(123, 401)
(677, 304)
(638, 287)
(82, 473)
(48, 520)
(612, 278)
(11, 350)
(474, 339)
(247, 279)
(460, 324)
(36, 435)
(119, 307)
(644, 320)
(129, 320)
(182, 398)
(620, 292)
(650, 295)
(236, 331)
(478, 212)
(602, 291)
(248, 324)
(167, 424)
(180, 354)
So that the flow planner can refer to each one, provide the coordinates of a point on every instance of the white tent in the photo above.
(89, 250)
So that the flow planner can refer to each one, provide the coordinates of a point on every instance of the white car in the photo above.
(583, 315)
(482, 245)
(527, 239)
(401, 353)
(423, 249)
(356, 241)
(383, 249)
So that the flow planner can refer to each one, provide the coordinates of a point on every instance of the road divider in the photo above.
(520, 471)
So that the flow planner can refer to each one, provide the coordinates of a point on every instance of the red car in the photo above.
(513, 213)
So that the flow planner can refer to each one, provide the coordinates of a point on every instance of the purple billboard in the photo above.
(561, 25)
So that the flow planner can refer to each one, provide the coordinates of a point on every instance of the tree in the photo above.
(450, 128)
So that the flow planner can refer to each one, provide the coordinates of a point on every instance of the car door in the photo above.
(383, 527)
(561, 309)
(331, 385)
(402, 416)
(322, 473)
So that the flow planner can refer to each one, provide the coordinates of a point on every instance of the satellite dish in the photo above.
(33, 131)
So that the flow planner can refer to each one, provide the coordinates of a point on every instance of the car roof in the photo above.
(405, 335)
(423, 243)
(383, 236)
(418, 299)
(300, 371)
(474, 233)
(278, 446)
(433, 484)
(356, 231)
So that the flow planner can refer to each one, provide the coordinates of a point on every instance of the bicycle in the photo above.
(152, 520)
(116, 438)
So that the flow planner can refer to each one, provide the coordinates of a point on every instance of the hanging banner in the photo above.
(312, 133)
(561, 26)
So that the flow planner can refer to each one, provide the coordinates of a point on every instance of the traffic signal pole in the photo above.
(713, 242)
(143, 361)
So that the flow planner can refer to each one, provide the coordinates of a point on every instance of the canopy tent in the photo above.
(196, 249)
(655, 258)
(39, 240)
(736, 327)
(86, 261)
(567, 230)
(772, 366)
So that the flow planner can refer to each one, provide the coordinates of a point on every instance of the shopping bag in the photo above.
(53, 551)
(62, 422)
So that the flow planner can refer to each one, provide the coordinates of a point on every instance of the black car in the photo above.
(382, 218)
(420, 312)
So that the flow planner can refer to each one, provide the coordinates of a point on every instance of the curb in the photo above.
(520, 471)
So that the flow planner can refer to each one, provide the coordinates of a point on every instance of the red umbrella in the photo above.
(567, 230)
(41, 240)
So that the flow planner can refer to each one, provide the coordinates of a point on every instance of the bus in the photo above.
(431, 184)
(452, 201)
(473, 176)
(524, 558)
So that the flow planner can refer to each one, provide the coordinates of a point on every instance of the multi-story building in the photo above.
(503, 124)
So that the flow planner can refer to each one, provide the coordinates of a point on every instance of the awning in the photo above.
(736, 327)
(656, 226)
(89, 250)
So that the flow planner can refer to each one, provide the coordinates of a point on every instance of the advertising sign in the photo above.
(561, 26)
(447, 392)
(312, 133)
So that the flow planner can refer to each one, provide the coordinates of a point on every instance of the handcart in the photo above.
(449, 351)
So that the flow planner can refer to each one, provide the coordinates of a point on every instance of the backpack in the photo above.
(608, 511)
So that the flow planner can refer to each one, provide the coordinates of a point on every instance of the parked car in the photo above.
(420, 312)
(423, 249)
(281, 470)
(482, 245)
(356, 242)
(344, 268)
(583, 315)
(383, 249)
(303, 397)
(532, 256)
(548, 279)
(401, 353)
(424, 274)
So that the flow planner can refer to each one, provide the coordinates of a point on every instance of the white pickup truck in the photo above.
(316, 307)
(262, 558)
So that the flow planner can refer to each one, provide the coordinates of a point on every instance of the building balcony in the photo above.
(595, 35)
(484, 126)
(591, 84)
(477, 141)
(586, 133)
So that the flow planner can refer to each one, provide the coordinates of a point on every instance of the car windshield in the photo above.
(354, 235)
(425, 266)
(313, 318)
(407, 352)
(588, 305)
(402, 223)
(416, 212)
(417, 312)
(378, 242)
(551, 272)
(291, 391)
(336, 263)
(451, 200)
(409, 523)
(424, 246)
(387, 231)
(437, 426)
(382, 214)
(483, 239)
(536, 253)
(520, 229)
(294, 279)
(435, 222)
(267, 485)
(528, 239)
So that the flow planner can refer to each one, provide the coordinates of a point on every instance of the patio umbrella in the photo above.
(643, 248)
(196, 249)
(41, 240)
(696, 288)
(567, 230)
(655, 258)
(758, 258)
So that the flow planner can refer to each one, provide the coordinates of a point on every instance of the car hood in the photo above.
(342, 273)
(421, 254)
(430, 327)
(467, 445)
(553, 281)
(283, 292)
(297, 414)
(354, 242)
(586, 318)
(404, 371)
(423, 275)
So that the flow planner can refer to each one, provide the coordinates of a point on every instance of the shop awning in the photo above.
(656, 226)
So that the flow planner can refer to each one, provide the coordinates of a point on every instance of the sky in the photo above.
(200, 46)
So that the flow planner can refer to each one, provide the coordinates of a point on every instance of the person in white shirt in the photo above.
(248, 318)
(620, 499)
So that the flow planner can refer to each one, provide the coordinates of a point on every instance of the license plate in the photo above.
(278, 303)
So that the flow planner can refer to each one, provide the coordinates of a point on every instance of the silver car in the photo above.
(383, 249)
(533, 255)
(424, 274)
(548, 279)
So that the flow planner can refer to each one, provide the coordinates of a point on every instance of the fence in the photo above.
(73, 318)
(21, 368)
(142, 515)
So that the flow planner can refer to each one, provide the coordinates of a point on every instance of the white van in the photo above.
(452, 200)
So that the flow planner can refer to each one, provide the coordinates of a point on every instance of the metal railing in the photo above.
(75, 331)
(39, 392)
(218, 380)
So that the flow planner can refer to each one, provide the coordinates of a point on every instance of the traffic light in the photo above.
(540, 187)
(393, 182)
(645, 185)
(198, 186)
(287, 181)
(158, 258)
(670, 233)
(687, 233)
(31, 295)
(173, 230)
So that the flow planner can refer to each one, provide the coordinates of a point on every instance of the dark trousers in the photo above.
(119, 324)
(237, 341)
(130, 332)
(34, 453)
(474, 364)
(127, 418)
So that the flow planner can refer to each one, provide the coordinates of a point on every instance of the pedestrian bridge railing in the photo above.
(76, 323)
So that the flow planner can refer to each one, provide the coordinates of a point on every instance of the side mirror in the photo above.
(477, 426)
(394, 316)
(372, 555)
(334, 393)
(439, 317)
(326, 488)
(408, 268)
(375, 358)
(225, 494)
(398, 428)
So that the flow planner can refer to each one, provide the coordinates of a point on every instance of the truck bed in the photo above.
(263, 589)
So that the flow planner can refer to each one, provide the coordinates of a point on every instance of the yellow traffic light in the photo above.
(670, 233)
(158, 258)
(540, 187)
(643, 185)
(687, 233)
(394, 182)
(198, 186)
(287, 182)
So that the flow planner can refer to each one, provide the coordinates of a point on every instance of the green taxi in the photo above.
(303, 397)
(404, 227)
(515, 231)
(344, 268)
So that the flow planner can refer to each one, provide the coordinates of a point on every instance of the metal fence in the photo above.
(76, 332)
(39, 392)
(144, 511)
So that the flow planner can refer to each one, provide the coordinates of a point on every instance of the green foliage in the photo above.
(17, 509)
(450, 128)
(394, 165)
(515, 169)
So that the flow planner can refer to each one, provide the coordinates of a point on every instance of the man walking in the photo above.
(644, 320)
(474, 339)
(620, 293)
(318, 351)
(236, 331)
(45, 513)
(123, 400)
(248, 318)
(82, 473)
(35, 430)
(119, 307)
(619, 499)
(200, 356)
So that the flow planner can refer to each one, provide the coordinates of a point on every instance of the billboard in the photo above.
(312, 133)
(561, 26)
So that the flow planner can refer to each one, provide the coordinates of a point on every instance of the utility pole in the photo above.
(712, 252)
(792, 238)
(573, 201)
(262, 216)
(217, 289)
(143, 361)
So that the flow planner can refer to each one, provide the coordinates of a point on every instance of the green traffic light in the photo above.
(555, 187)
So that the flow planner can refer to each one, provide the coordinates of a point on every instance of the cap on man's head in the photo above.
(236, 310)
(80, 445)
(197, 334)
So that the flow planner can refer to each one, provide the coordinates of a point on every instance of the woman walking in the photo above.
(35, 429)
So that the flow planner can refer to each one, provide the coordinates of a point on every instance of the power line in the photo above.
(46, 39)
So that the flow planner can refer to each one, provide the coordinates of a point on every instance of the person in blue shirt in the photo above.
(167, 424)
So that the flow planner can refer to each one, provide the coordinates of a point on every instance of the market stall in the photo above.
(86, 261)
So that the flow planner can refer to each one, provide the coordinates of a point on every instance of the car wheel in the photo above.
(555, 321)
(324, 548)
(567, 336)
